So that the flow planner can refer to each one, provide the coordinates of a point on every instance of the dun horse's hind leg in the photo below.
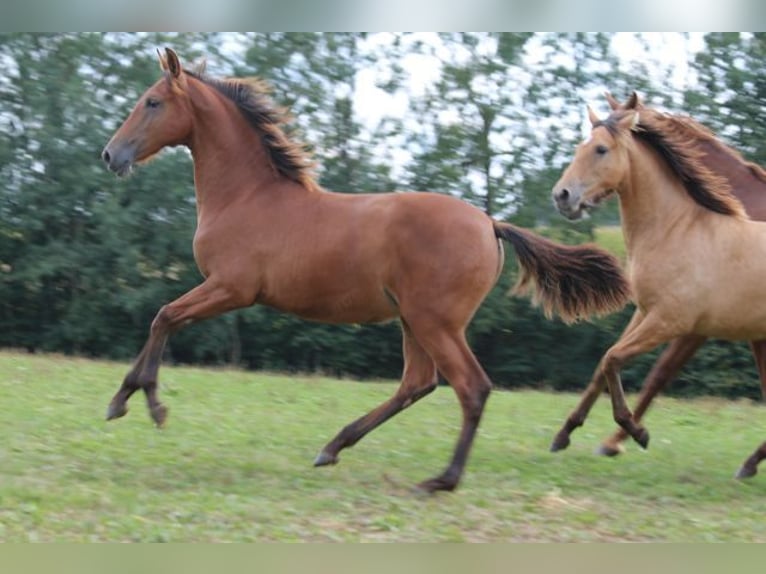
(664, 371)
(750, 466)
(204, 301)
(418, 380)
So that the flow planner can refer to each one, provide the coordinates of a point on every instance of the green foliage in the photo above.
(86, 260)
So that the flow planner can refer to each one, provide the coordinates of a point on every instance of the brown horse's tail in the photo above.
(571, 281)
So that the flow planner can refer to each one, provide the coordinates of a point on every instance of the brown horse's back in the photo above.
(375, 254)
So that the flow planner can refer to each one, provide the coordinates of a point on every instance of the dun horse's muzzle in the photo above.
(566, 204)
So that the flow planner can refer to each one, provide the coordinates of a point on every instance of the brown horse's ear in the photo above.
(173, 63)
(592, 116)
(612, 101)
(632, 102)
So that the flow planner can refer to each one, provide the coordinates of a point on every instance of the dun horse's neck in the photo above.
(652, 200)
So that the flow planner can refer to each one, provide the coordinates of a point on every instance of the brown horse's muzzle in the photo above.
(119, 158)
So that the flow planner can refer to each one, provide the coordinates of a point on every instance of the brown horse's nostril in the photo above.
(563, 194)
(105, 156)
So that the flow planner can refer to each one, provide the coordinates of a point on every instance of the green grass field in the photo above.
(235, 464)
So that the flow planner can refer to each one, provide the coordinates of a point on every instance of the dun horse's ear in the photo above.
(629, 121)
(173, 63)
(612, 101)
(592, 116)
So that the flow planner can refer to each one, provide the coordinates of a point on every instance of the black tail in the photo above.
(571, 281)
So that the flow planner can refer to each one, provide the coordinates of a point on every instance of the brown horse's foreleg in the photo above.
(418, 380)
(750, 466)
(461, 369)
(204, 301)
(590, 396)
(663, 372)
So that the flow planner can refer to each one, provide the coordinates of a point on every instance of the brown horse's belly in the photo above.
(350, 307)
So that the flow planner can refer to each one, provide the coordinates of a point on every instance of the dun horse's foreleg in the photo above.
(664, 371)
(418, 380)
(577, 417)
(750, 466)
(643, 337)
(590, 396)
(204, 301)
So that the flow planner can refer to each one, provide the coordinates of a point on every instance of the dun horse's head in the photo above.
(162, 117)
(599, 166)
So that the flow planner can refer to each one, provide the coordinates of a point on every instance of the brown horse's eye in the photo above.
(601, 149)
(152, 103)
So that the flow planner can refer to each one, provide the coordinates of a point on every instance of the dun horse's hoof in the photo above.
(746, 471)
(324, 459)
(610, 450)
(115, 411)
(561, 442)
(159, 414)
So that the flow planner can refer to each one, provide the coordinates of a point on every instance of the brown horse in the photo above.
(268, 234)
(748, 183)
(686, 237)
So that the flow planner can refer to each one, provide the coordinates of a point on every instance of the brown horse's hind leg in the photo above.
(665, 369)
(418, 380)
(204, 301)
(750, 466)
(471, 384)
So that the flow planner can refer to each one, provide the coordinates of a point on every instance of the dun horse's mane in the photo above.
(251, 95)
(677, 148)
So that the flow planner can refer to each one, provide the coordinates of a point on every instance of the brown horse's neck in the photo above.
(230, 160)
(745, 184)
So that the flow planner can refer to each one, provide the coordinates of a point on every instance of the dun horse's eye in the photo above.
(152, 103)
(601, 149)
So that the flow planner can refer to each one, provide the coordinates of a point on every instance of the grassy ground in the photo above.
(234, 464)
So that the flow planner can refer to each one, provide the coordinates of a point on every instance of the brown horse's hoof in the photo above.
(561, 442)
(610, 450)
(324, 459)
(116, 410)
(746, 471)
(435, 484)
(159, 414)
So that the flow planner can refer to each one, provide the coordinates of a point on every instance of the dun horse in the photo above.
(686, 237)
(748, 183)
(268, 234)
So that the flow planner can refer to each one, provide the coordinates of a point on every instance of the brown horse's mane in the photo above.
(674, 142)
(695, 130)
(251, 95)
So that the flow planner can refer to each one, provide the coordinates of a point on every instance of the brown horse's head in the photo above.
(599, 165)
(162, 117)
